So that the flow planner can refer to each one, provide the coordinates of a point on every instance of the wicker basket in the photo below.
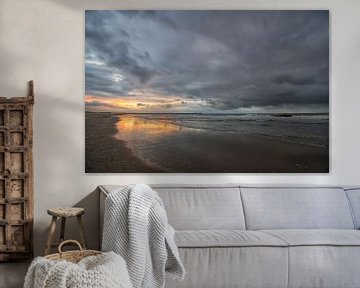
(72, 256)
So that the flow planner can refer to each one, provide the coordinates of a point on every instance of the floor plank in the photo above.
(12, 274)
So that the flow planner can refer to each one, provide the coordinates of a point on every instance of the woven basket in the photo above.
(72, 256)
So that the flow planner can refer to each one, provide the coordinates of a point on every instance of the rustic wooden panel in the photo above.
(2, 161)
(2, 212)
(17, 235)
(16, 139)
(2, 138)
(16, 118)
(2, 235)
(17, 188)
(17, 211)
(16, 162)
(2, 117)
(2, 188)
(16, 177)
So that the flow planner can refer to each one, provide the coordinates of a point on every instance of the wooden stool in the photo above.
(64, 213)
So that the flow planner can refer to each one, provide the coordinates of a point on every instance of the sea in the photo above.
(301, 128)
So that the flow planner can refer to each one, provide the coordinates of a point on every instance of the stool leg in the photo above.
(82, 232)
(62, 230)
(51, 235)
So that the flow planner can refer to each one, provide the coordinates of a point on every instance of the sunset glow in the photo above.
(129, 125)
(139, 102)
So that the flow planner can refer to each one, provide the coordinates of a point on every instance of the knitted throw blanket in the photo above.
(103, 271)
(136, 227)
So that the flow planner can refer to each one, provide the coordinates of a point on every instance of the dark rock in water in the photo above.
(282, 115)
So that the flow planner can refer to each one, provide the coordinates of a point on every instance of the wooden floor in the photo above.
(12, 274)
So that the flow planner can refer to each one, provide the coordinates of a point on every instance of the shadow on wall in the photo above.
(7, 68)
(53, 155)
(91, 217)
(72, 231)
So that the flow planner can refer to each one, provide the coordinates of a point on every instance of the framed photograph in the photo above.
(240, 91)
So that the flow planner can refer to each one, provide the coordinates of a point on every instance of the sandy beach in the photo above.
(105, 154)
(130, 143)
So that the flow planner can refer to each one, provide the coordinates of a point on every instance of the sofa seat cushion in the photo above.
(225, 238)
(317, 237)
(323, 258)
(235, 267)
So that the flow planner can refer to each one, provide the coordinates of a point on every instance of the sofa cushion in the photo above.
(324, 266)
(191, 208)
(220, 267)
(317, 237)
(226, 238)
(322, 258)
(296, 208)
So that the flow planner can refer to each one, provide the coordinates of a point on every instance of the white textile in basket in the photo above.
(105, 270)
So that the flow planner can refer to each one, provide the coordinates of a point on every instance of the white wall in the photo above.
(43, 40)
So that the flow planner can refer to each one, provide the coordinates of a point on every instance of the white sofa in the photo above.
(264, 237)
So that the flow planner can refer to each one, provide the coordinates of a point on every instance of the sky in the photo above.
(207, 61)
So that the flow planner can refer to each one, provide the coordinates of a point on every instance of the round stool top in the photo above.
(66, 211)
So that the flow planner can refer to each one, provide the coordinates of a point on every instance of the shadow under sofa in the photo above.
(266, 237)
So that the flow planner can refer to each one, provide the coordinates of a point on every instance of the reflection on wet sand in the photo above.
(132, 127)
(145, 137)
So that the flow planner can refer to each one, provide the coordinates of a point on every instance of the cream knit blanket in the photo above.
(136, 227)
(103, 271)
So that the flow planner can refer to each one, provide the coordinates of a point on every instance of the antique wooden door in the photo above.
(16, 177)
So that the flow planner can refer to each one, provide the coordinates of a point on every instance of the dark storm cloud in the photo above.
(108, 42)
(97, 104)
(153, 15)
(292, 79)
(229, 59)
(306, 78)
(99, 81)
(94, 104)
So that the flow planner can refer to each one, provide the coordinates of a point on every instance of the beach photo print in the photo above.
(209, 91)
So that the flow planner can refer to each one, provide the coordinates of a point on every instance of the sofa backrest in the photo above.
(296, 208)
(354, 198)
(210, 207)
(203, 208)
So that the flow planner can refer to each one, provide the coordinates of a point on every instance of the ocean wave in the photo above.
(310, 129)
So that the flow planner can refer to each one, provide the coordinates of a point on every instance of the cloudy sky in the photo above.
(207, 61)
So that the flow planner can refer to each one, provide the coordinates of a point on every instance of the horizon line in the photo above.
(210, 113)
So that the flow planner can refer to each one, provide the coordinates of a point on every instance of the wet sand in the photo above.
(105, 154)
(196, 152)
